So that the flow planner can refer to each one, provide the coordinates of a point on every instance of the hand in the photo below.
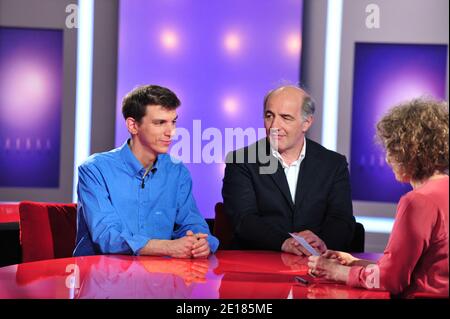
(181, 247)
(200, 249)
(327, 268)
(313, 240)
(290, 245)
(343, 258)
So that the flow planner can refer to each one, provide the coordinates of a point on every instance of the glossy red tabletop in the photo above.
(9, 212)
(227, 274)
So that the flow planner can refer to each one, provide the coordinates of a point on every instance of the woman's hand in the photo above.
(343, 258)
(327, 268)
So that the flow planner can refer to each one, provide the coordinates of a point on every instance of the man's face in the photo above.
(283, 120)
(156, 129)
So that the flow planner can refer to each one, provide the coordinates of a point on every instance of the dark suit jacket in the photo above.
(261, 208)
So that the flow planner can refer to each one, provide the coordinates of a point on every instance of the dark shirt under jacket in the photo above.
(261, 208)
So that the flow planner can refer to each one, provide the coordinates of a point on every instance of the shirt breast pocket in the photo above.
(162, 222)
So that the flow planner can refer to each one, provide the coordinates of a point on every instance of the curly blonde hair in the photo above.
(415, 136)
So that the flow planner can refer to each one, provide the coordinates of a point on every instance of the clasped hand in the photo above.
(190, 246)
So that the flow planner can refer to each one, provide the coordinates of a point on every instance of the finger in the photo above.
(315, 242)
(342, 261)
(329, 254)
(296, 250)
(310, 239)
(199, 243)
(312, 273)
(189, 233)
(204, 254)
(201, 235)
(188, 253)
(303, 250)
(322, 248)
(319, 245)
(200, 251)
(190, 240)
(318, 273)
(305, 233)
(314, 259)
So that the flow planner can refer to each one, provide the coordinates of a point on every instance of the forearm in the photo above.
(341, 273)
(362, 262)
(156, 247)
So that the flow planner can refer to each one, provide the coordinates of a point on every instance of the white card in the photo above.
(305, 244)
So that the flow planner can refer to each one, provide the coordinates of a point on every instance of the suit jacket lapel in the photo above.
(279, 177)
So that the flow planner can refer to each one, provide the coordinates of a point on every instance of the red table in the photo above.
(227, 274)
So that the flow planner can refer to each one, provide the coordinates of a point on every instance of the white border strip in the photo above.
(381, 225)
(84, 86)
(331, 76)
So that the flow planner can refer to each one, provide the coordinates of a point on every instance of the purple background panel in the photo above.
(385, 75)
(219, 57)
(31, 64)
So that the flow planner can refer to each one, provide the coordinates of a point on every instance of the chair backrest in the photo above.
(357, 244)
(47, 230)
(223, 229)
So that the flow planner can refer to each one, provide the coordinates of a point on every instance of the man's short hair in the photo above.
(135, 103)
(308, 107)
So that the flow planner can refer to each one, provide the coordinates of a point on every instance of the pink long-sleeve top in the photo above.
(416, 258)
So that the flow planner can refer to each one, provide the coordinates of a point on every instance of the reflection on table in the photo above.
(227, 274)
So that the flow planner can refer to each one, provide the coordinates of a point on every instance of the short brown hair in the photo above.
(135, 103)
(415, 136)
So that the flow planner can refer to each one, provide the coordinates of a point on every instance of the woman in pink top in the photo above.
(415, 261)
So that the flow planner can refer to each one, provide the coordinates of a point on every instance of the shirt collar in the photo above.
(132, 162)
(278, 156)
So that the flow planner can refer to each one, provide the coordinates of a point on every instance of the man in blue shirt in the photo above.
(137, 199)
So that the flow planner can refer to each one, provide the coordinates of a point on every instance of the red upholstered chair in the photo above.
(47, 230)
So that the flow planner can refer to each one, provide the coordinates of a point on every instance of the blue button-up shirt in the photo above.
(120, 208)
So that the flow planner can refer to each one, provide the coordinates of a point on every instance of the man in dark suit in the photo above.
(288, 183)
